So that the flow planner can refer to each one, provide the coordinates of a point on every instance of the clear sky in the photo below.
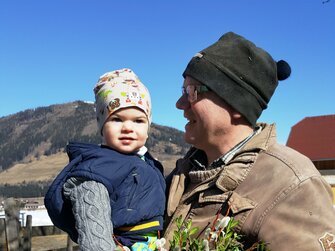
(53, 52)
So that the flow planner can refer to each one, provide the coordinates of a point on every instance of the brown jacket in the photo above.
(276, 193)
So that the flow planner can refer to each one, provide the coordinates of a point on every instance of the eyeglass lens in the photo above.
(191, 92)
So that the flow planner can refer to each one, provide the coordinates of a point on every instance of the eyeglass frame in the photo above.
(192, 95)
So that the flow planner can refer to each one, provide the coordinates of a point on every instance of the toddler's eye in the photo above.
(115, 119)
(140, 121)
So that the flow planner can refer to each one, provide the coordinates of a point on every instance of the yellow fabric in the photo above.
(141, 226)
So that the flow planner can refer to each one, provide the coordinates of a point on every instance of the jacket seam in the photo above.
(283, 195)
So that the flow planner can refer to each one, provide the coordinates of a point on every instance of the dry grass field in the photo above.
(47, 167)
(43, 169)
(51, 242)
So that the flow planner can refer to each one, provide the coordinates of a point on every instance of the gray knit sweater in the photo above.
(92, 212)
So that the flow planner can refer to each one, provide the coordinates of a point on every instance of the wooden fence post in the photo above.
(69, 245)
(12, 224)
(27, 234)
(3, 245)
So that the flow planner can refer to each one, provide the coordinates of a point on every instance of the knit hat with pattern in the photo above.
(243, 75)
(120, 89)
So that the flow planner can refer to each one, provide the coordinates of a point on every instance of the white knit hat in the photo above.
(119, 89)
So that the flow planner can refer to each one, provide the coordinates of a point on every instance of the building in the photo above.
(315, 138)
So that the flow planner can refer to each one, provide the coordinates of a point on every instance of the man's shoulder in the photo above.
(284, 157)
(277, 170)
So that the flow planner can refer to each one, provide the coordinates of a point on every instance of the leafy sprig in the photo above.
(220, 237)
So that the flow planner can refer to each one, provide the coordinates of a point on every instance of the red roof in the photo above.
(314, 137)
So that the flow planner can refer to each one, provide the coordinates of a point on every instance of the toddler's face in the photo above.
(126, 130)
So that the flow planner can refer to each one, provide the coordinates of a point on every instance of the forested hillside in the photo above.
(29, 134)
(32, 144)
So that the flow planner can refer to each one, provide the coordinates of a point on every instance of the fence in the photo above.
(17, 233)
(22, 218)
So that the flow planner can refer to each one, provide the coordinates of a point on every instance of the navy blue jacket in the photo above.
(136, 188)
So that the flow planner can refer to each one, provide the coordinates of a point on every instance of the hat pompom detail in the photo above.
(283, 70)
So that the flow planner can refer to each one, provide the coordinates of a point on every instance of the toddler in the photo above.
(112, 194)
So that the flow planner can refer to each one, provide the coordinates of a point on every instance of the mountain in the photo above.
(37, 137)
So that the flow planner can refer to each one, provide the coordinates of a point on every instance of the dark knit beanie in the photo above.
(243, 75)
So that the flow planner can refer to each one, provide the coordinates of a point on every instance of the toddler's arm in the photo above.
(92, 211)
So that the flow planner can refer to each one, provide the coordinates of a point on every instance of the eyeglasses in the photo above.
(191, 91)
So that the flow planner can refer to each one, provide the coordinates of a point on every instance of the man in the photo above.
(235, 166)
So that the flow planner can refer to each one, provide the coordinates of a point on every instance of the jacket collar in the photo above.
(262, 140)
(227, 179)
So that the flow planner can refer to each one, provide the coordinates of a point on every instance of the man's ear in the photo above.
(236, 115)
(239, 119)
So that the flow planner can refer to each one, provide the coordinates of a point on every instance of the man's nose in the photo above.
(183, 103)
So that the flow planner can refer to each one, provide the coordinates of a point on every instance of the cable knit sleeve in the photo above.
(92, 211)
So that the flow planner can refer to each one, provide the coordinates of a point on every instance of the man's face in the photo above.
(126, 130)
(209, 117)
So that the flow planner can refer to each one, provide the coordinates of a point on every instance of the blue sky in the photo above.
(53, 52)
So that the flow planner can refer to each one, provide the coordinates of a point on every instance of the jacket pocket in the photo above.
(239, 204)
(132, 194)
